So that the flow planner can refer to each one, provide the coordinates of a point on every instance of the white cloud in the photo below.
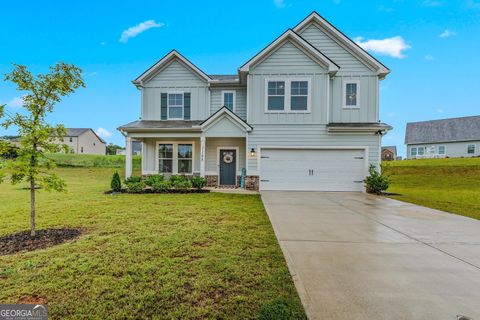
(429, 57)
(280, 4)
(432, 3)
(103, 133)
(392, 47)
(447, 34)
(134, 31)
(16, 102)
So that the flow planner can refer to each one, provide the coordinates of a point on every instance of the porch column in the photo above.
(128, 157)
(202, 156)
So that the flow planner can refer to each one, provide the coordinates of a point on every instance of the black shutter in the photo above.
(163, 106)
(186, 106)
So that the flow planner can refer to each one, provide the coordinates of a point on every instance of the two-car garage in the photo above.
(305, 169)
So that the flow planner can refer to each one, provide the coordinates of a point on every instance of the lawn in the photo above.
(174, 256)
(451, 185)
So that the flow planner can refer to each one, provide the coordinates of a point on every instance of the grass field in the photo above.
(195, 256)
(93, 161)
(451, 185)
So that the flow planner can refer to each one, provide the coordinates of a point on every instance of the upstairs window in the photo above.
(70, 139)
(351, 94)
(175, 106)
(299, 95)
(471, 149)
(228, 100)
(276, 96)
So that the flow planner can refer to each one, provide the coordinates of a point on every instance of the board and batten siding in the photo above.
(175, 77)
(240, 100)
(308, 136)
(212, 145)
(452, 149)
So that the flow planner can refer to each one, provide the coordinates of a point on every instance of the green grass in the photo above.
(451, 185)
(93, 161)
(173, 256)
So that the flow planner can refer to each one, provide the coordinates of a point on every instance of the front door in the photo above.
(228, 167)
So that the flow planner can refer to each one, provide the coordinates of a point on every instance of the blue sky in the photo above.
(431, 46)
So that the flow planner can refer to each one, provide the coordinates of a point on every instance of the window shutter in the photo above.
(163, 106)
(186, 106)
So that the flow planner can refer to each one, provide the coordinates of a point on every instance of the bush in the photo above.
(135, 187)
(151, 180)
(133, 179)
(275, 310)
(375, 182)
(177, 178)
(116, 184)
(161, 186)
(199, 182)
(182, 185)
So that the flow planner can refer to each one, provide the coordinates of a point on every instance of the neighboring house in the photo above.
(302, 114)
(136, 149)
(455, 137)
(120, 152)
(84, 140)
(389, 153)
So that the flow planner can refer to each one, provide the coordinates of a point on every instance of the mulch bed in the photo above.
(22, 241)
(148, 190)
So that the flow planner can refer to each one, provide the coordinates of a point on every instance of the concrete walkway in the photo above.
(357, 256)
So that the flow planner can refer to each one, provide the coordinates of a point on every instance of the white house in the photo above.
(302, 114)
(84, 141)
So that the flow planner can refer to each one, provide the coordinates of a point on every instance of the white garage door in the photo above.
(312, 169)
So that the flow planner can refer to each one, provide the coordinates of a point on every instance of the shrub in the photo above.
(135, 187)
(199, 182)
(116, 184)
(177, 178)
(182, 185)
(275, 310)
(151, 180)
(375, 182)
(133, 179)
(161, 186)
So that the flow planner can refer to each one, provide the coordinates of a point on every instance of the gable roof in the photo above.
(444, 130)
(145, 125)
(343, 40)
(165, 61)
(76, 132)
(225, 111)
(390, 148)
(290, 35)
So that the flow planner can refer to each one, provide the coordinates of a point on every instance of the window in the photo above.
(165, 155)
(81, 149)
(471, 149)
(351, 94)
(175, 106)
(185, 158)
(288, 95)
(299, 95)
(70, 139)
(94, 144)
(413, 152)
(228, 100)
(421, 151)
(276, 96)
(441, 149)
(431, 150)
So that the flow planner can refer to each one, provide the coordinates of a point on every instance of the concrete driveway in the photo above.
(357, 256)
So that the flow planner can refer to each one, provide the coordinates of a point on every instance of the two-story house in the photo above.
(302, 114)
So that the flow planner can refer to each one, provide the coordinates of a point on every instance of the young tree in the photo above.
(37, 137)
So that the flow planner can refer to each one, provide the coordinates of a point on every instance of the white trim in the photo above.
(364, 148)
(183, 104)
(175, 144)
(234, 92)
(287, 97)
(344, 93)
(203, 154)
(237, 163)
(224, 111)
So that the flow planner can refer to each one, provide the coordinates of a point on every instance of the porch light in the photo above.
(252, 153)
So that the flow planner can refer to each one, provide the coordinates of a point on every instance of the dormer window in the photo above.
(228, 100)
(175, 106)
(351, 94)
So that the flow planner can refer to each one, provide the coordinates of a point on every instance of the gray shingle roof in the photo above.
(159, 124)
(224, 77)
(75, 132)
(445, 130)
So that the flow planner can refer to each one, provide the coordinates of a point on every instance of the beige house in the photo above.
(84, 140)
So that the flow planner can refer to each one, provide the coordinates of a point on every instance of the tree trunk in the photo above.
(32, 208)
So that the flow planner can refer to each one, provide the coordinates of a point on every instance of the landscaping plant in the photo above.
(135, 186)
(199, 182)
(116, 184)
(161, 186)
(37, 137)
(151, 180)
(375, 182)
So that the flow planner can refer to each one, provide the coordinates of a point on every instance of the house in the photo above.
(389, 153)
(136, 149)
(302, 114)
(454, 137)
(84, 140)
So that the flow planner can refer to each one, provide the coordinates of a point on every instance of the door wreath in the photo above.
(228, 157)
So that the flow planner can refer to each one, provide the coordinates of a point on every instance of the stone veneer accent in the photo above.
(212, 181)
(252, 183)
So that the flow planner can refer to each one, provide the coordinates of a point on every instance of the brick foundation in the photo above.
(252, 183)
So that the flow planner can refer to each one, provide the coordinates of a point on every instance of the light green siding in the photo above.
(224, 127)
(212, 145)
(175, 77)
(240, 100)
(452, 149)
